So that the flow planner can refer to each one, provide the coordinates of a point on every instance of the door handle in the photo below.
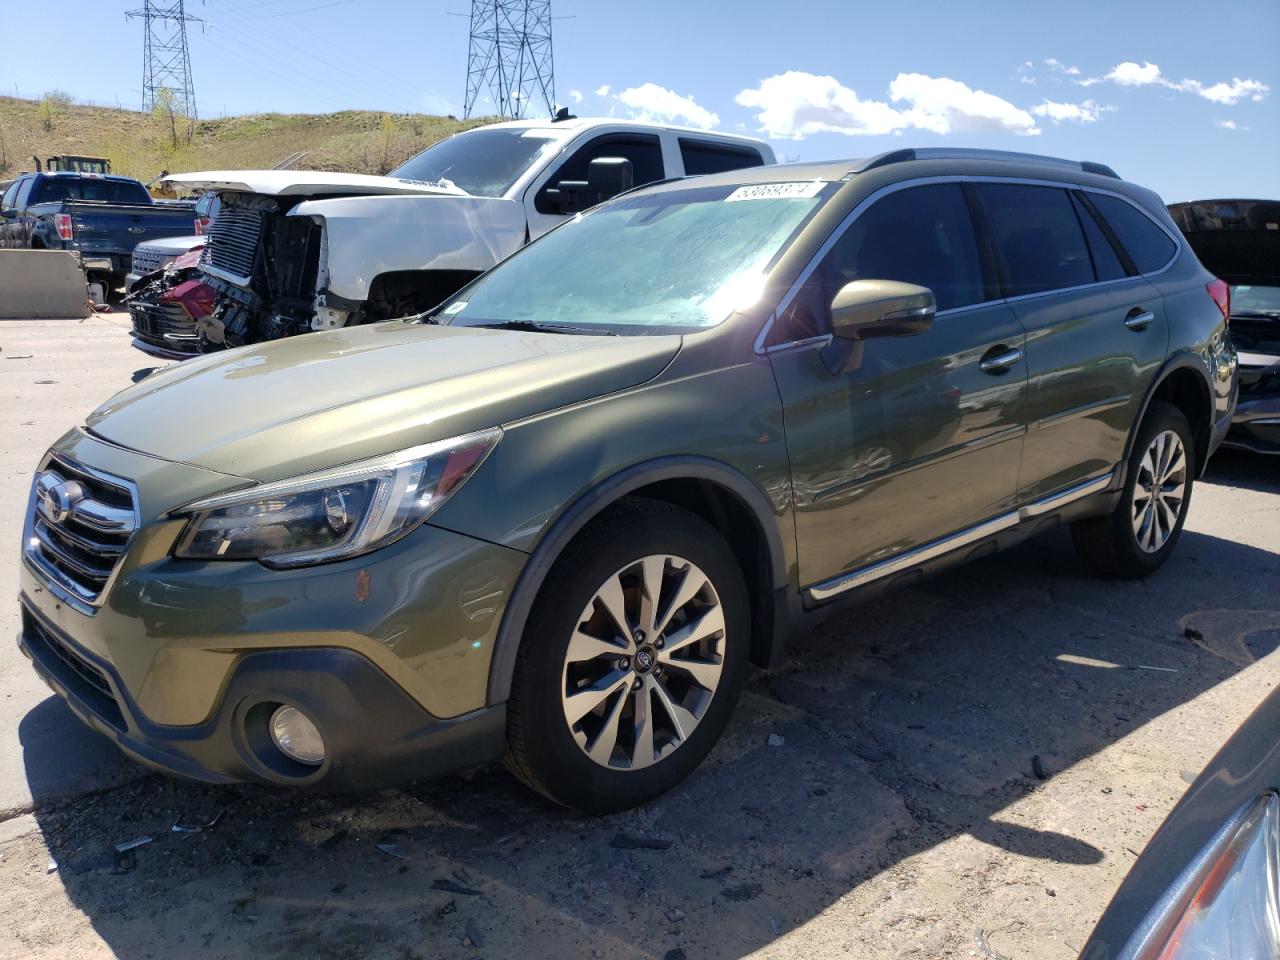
(999, 359)
(1139, 319)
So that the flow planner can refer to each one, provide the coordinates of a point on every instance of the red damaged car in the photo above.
(166, 307)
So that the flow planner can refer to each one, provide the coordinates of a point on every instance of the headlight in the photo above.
(335, 513)
(1225, 905)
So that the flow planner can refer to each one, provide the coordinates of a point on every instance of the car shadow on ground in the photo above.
(895, 726)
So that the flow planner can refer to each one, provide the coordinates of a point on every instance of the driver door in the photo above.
(896, 442)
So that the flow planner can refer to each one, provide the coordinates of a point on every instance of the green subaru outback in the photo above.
(557, 519)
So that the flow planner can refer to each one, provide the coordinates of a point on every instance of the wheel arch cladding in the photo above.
(709, 488)
(1185, 385)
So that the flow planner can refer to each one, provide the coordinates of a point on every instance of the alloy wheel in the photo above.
(1159, 491)
(644, 662)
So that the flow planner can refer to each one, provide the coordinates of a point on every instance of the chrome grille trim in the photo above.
(77, 552)
(146, 260)
(234, 238)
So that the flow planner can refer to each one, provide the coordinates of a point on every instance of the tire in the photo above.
(684, 709)
(1138, 536)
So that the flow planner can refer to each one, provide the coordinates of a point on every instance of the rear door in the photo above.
(899, 441)
(1096, 331)
(9, 202)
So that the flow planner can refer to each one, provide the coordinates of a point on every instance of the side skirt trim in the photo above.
(937, 548)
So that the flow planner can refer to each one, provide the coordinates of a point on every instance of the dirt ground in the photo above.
(900, 815)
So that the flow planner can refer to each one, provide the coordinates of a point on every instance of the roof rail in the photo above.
(961, 153)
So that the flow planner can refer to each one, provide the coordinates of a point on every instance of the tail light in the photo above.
(1225, 904)
(62, 222)
(202, 225)
(1220, 292)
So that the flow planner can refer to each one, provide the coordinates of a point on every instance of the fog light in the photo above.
(296, 736)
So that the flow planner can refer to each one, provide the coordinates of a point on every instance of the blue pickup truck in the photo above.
(101, 216)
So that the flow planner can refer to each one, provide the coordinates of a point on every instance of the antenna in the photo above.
(166, 62)
(510, 54)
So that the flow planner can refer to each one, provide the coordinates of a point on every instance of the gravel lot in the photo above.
(899, 816)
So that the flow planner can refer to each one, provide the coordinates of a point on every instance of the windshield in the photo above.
(653, 263)
(485, 163)
(1252, 298)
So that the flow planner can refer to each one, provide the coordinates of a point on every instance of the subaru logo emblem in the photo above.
(59, 499)
(644, 660)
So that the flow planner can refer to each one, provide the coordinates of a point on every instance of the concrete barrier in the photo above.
(41, 283)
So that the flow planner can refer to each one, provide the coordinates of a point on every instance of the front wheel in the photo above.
(632, 660)
(1139, 535)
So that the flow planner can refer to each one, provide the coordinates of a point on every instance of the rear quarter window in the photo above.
(702, 156)
(1149, 247)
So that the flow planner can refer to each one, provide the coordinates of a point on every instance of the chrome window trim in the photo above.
(862, 576)
(866, 202)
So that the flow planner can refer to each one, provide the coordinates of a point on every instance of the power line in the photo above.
(510, 53)
(166, 61)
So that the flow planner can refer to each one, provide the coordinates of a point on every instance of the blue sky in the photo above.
(1179, 96)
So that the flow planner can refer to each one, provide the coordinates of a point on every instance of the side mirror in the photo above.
(865, 309)
(609, 176)
(606, 178)
(8, 214)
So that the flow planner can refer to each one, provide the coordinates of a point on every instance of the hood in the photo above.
(304, 183)
(172, 245)
(286, 407)
(1237, 240)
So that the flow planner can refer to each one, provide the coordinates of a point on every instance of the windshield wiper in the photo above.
(539, 327)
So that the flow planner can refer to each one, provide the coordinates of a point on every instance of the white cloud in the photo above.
(1026, 72)
(1086, 112)
(602, 91)
(795, 105)
(943, 105)
(1147, 74)
(1057, 66)
(1229, 125)
(575, 96)
(1233, 92)
(652, 102)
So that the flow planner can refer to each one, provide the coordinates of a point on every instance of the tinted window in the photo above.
(701, 156)
(1106, 264)
(72, 188)
(644, 152)
(24, 193)
(1148, 246)
(1037, 238)
(921, 235)
(9, 195)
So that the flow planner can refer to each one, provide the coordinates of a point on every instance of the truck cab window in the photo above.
(644, 152)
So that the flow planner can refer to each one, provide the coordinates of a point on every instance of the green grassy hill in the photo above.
(142, 145)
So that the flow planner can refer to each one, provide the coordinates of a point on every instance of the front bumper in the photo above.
(389, 653)
(375, 734)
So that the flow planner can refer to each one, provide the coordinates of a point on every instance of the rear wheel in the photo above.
(1140, 534)
(632, 660)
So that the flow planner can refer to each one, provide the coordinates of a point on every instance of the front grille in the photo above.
(79, 522)
(165, 325)
(146, 260)
(72, 669)
(235, 235)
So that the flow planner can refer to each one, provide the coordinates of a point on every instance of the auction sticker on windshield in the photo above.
(777, 191)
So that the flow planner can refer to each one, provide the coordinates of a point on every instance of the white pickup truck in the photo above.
(293, 251)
